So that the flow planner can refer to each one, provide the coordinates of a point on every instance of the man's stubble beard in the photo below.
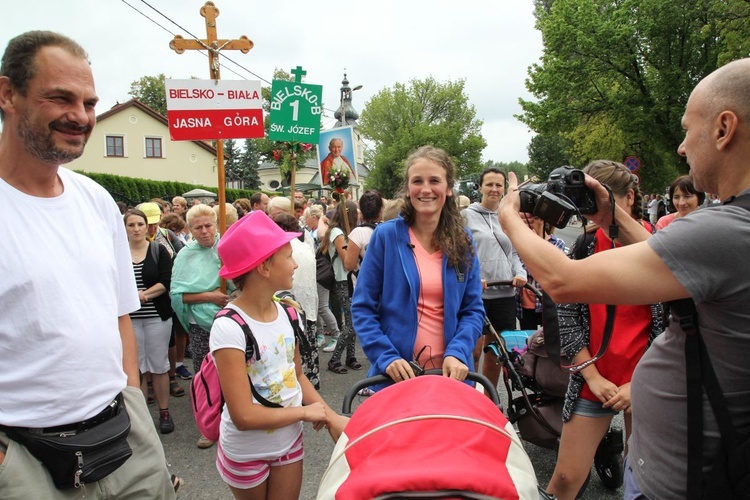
(42, 145)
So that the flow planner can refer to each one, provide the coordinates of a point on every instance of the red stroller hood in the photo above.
(429, 434)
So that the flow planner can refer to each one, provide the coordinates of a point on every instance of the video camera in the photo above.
(564, 194)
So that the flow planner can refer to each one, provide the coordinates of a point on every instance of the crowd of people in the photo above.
(120, 297)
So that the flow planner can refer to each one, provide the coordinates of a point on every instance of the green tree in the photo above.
(232, 154)
(546, 153)
(150, 91)
(520, 169)
(615, 76)
(247, 165)
(401, 119)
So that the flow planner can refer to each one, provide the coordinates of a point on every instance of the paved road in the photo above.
(202, 481)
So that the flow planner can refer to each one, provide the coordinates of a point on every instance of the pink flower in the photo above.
(305, 147)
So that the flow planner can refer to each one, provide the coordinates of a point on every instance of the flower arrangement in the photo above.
(338, 178)
(285, 152)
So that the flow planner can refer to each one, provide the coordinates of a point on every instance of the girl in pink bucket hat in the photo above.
(257, 441)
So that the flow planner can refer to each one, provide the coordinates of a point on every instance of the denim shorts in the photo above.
(586, 408)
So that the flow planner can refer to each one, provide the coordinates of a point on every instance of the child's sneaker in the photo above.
(320, 339)
(331, 346)
(166, 425)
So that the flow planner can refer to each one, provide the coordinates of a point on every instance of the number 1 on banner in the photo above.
(295, 113)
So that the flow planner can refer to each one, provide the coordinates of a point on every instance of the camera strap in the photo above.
(552, 335)
(580, 251)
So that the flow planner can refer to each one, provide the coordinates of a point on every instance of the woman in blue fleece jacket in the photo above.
(418, 294)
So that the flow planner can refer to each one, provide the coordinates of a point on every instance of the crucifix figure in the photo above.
(212, 44)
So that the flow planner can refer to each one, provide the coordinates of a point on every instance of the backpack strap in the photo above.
(251, 350)
(684, 312)
(739, 201)
(700, 374)
(175, 242)
(295, 314)
(154, 249)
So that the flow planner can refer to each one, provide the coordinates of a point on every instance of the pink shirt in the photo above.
(665, 220)
(430, 309)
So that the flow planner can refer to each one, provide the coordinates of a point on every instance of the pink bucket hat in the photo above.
(248, 242)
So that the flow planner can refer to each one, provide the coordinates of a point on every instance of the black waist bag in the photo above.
(76, 458)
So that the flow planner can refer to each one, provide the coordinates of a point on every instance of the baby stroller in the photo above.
(428, 437)
(536, 391)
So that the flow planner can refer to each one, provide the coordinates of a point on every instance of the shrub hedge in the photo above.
(133, 190)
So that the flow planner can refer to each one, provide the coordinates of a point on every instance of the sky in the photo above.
(489, 43)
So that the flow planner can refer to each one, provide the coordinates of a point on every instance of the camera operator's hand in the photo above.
(512, 201)
(631, 231)
(603, 215)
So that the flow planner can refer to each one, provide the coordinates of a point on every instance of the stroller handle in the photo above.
(346, 406)
(510, 283)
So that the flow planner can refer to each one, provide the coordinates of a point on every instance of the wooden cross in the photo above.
(214, 45)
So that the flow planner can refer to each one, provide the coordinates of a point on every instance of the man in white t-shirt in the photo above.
(68, 355)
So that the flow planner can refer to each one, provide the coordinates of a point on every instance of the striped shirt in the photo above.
(148, 309)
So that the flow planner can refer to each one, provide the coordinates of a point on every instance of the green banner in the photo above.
(295, 111)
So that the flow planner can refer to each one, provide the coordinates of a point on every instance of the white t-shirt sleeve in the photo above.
(226, 334)
(338, 263)
(128, 294)
(360, 236)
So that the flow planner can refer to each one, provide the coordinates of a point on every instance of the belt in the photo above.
(108, 412)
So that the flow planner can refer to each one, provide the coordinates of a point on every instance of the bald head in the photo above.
(717, 130)
(728, 89)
